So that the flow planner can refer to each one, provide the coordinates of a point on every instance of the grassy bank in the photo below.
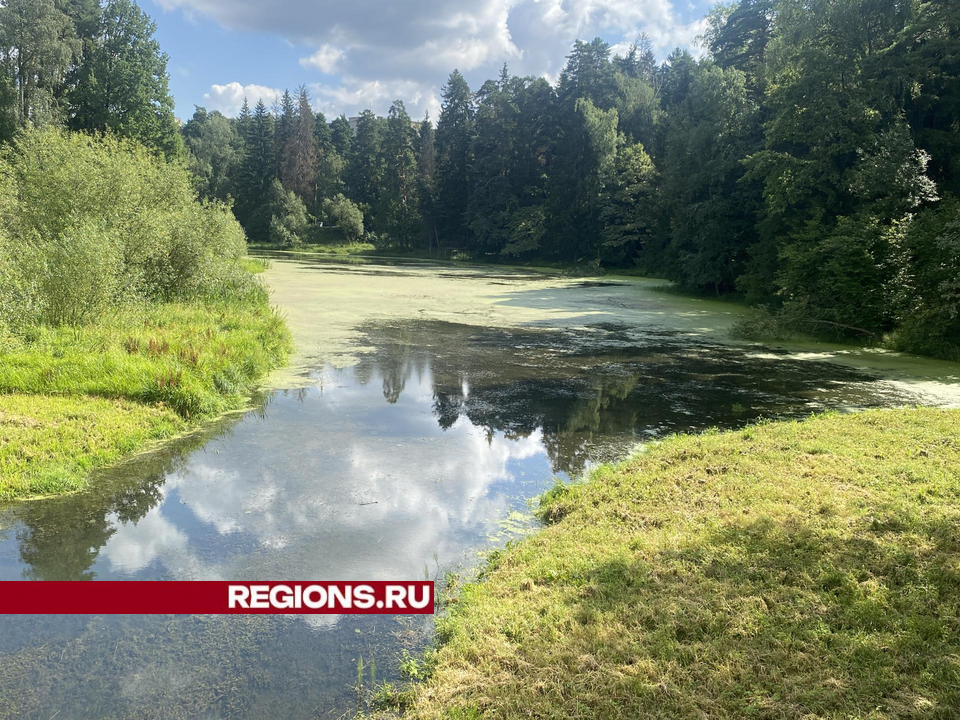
(76, 398)
(128, 310)
(340, 248)
(789, 570)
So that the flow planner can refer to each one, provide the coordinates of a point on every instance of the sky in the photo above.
(364, 54)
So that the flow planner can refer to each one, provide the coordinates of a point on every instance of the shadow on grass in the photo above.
(776, 619)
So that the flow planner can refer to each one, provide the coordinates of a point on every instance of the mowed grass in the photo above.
(790, 570)
(73, 399)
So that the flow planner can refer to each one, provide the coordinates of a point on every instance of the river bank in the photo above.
(790, 569)
(76, 399)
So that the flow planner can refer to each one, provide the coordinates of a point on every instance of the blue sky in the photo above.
(356, 54)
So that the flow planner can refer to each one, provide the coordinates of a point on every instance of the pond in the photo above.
(426, 405)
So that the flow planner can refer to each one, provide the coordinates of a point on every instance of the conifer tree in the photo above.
(454, 139)
(256, 174)
(399, 205)
(299, 166)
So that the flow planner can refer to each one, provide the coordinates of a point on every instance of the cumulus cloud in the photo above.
(377, 95)
(326, 58)
(413, 44)
(228, 98)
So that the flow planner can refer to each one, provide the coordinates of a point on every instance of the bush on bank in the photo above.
(89, 223)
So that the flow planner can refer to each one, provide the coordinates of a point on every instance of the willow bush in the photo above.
(91, 223)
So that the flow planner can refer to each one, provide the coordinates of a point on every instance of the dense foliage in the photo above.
(806, 162)
(132, 231)
(87, 65)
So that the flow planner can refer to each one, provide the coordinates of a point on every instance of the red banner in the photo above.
(207, 597)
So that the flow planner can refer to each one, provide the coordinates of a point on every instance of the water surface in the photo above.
(425, 407)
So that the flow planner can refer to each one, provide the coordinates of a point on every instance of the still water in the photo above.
(406, 443)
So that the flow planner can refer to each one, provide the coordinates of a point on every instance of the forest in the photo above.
(808, 163)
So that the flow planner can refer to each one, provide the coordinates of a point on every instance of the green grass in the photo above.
(336, 248)
(48, 444)
(254, 266)
(789, 570)
(73, 399)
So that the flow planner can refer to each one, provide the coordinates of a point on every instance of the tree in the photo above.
(588, 74)
(122, 84)
(216, 152)
(628, 212)
(493, 199)
(299, 168)
(341, 135)
(288, 216)
(38, 42)
(398, 197)
(345, 214)
(705, 195)
(738, 37)
(585, 157)
(256, 174)
(321, 132)
(364, 173)
(426, 151)
(454, 140)
(284, 113)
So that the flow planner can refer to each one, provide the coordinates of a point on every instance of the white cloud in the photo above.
(406, 48)
(355, 95)
(326, 59)
(228, 98)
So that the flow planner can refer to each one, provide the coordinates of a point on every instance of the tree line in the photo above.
(809, 162)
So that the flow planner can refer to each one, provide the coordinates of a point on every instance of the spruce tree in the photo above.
(399, 205)
(256, 174)
(299, 166)
(454, 140)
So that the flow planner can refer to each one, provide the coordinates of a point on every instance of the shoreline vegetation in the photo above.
(130, 313)
(789, 569)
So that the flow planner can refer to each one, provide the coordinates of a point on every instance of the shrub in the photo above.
(834, 282)
(288, 217)
(345, 214)
(98, 221)
(926, 290)
(79, 274)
